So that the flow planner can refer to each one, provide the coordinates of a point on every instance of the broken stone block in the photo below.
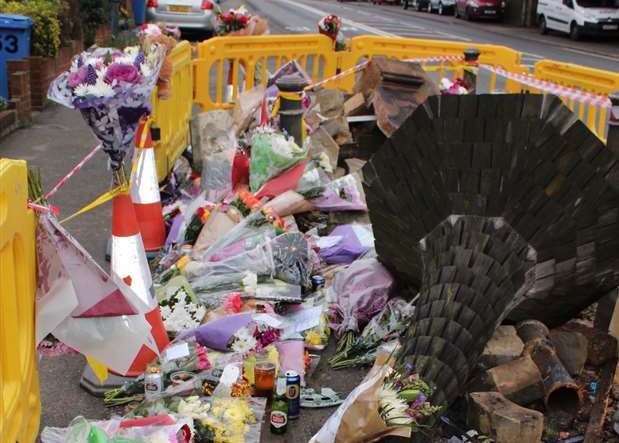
(355, 105)
(321, 141)
(602, 346)
(502, 420)
(571, 348)
(331, 102)
(504, 346)
(338, 129)
(518, 380)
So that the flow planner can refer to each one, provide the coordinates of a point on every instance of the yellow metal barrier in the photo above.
(20, 405)
(242, 62)
(172, 115)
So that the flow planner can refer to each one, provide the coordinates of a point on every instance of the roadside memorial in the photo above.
(395, 233)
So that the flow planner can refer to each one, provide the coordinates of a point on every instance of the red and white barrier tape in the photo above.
(360, 66)
(70, 174)
(553, 88)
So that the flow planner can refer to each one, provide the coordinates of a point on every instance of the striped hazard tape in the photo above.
(554, 88)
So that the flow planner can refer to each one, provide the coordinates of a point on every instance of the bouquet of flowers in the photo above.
(254, 338)
(167, 37)
(387, 325)
(403, 401)
(360, 291)
(331, 26)
(240, 22)
(180, 312)
(232, 21)
(112, 89)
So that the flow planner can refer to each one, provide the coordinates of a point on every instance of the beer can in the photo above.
(293, 394)
(318, 282)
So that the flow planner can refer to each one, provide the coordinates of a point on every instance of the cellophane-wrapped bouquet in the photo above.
(112, 90)
(331, 26)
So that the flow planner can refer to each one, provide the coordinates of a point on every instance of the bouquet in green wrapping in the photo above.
(271, 154)
(388, 324)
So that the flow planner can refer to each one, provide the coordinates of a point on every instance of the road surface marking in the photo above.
(297, 28)
(593, 54)
(345, 21)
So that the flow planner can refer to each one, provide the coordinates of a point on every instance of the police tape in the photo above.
(553, 88)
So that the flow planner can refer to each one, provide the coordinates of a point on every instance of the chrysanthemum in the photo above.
(392, 408)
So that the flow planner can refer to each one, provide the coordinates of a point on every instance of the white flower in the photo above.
(392, 408)
(124, 59)
(250, 281)
(81, 90)
(101, 89)
(146, 70)
(182, 315)
(132, 51)
(244, 341)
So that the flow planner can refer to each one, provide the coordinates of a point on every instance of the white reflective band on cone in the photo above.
(144, 182)
(128, 259)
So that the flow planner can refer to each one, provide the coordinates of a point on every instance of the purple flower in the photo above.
(77, 78)
(122, 73)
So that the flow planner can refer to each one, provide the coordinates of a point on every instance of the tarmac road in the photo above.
(363, 18)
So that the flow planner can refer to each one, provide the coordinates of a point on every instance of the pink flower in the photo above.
(77, 78)
(233, 303)
(122, 73)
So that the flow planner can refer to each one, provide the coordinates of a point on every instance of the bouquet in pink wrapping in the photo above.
(360, 292)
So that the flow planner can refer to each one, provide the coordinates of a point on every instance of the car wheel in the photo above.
(542, 25)
(575, 32)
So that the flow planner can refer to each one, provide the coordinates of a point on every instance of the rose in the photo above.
(122, 72)
(77, 77)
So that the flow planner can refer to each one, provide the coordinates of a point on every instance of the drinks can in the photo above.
(153, 382)
(318, 282)
(293, 394)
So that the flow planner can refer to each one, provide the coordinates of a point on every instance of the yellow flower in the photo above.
(313, 337)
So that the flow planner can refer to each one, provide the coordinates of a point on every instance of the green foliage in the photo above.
(3, 104)
(45, 23)
(94, 13)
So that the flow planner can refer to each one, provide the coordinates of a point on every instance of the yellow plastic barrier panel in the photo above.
(228, 65)
(20, 405)
(172, 115)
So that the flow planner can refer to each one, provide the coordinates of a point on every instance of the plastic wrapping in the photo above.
(117, 430)
(271, 154)
(217, 149)
(291, 258)
(346, 243)
(112, 108)
(360, 291)
(343, 194)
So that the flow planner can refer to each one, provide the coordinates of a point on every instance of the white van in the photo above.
(578, 17)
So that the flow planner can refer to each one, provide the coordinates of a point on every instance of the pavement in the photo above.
(59, 138)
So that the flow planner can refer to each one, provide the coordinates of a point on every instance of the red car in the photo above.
(480, 9)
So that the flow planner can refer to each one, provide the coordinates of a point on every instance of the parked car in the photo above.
(417, 5)
(442, 6)
(578, 17)
(185, 14)
(481, 9)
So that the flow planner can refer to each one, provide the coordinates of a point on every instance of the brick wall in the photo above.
(19, 89)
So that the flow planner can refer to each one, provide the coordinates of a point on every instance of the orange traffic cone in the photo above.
(130, 264)
(145, 190)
